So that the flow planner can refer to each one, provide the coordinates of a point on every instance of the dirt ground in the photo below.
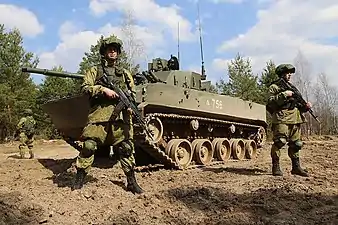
(38, 191)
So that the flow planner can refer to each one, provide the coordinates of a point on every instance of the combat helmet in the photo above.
(284, 68)
(113, 40)
(28, 112)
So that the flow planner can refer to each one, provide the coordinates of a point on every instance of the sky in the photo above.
(60, 31)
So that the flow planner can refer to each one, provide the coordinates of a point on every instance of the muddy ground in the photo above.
(38, 191)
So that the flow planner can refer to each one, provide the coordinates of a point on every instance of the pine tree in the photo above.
(17, 89)
(268, 76)
(242, 83)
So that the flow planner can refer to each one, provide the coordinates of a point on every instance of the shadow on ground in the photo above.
(287, 204)
(241, 171)
(290, 204)
(63, 171)
(119, 183)
(14, 156)
(15, 209)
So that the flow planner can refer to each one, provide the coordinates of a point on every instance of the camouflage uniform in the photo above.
(118, 132)
(25, 129)
(286, 121)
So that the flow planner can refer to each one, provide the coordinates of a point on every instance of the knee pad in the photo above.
(297, 145)
(280, 142)
(89, 147)
(125, 148)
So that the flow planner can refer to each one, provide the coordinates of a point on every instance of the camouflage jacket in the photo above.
(26, 125)
(101, 106)
(278, 98)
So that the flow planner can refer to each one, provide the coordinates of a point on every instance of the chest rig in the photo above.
(115, 75)
(290, 103)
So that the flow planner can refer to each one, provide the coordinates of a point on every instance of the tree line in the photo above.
(317, 89)
(18, 91)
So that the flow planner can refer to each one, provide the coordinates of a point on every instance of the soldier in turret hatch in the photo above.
(173, 63)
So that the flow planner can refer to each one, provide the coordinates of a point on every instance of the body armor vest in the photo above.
(115, 75)
(289, 104)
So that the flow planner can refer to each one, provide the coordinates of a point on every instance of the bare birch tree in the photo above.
(133, 46)
(302, 80)
(326, 100)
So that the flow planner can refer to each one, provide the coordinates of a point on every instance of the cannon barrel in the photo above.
(52, 73)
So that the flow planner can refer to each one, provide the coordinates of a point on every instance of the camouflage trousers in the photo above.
(117, 134)
(286, 134)
(26, 142)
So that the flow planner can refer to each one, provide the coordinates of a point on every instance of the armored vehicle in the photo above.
(190, 125)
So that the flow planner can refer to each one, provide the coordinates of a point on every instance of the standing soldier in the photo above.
(26, 129)
(107, 125)
(286, 120)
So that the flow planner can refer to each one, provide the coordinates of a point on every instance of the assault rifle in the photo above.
(296, 95)
(126, 101)
(125, 98)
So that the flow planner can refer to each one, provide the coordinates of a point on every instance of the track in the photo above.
(157, 150)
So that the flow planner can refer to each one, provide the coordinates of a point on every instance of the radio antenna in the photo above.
(201, 43)
(178, 41)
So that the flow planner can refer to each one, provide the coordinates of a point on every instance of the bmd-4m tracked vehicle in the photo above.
(190, 125)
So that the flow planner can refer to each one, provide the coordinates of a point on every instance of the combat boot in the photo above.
(22, 155)
(132, 183)
(22, 152)
(296, 169)
(79, 179)
(276, 171)
(31, 155)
